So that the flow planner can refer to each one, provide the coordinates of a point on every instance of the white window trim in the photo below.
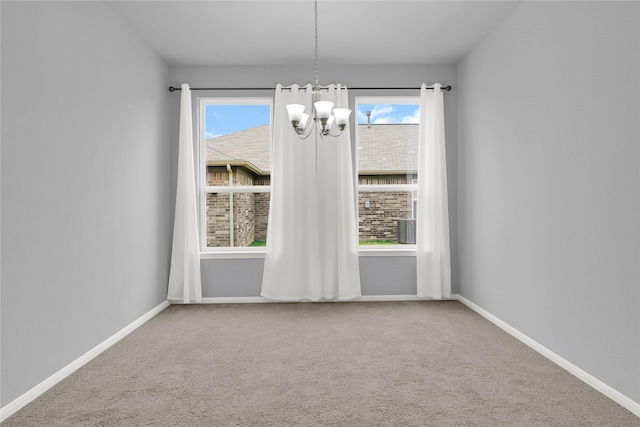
(387, 250)
(259, 252)
(234, 253)
(414, 199)
(383, 250)
(202, 190)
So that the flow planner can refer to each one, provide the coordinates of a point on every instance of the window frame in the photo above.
(382, 250)
(203, 189)
(414, 199)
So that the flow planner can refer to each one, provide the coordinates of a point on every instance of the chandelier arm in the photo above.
(304, 134)
(330, 134)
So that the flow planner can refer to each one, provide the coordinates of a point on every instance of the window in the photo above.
(235, 163)
(387, 162)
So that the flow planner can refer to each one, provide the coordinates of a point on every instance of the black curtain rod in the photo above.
(173, 89)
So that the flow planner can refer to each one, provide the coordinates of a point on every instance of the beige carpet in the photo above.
(332, 364)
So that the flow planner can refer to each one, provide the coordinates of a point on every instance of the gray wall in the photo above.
(243, 277)
(548, 181)
(85, 200)
(218, 275)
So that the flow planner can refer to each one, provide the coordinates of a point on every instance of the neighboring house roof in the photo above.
(382, 149)
(249, 147)
(387, 148)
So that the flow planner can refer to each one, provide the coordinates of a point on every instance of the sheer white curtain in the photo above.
(311, 251)
(184, 277)
(336, 204)
(433, 256)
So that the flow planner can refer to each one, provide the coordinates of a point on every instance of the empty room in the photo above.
(320, 213)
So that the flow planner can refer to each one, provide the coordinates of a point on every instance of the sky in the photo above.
(389, 113)
(226, 119)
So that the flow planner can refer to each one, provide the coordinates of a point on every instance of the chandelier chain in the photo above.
(322, 116)
(316, 34)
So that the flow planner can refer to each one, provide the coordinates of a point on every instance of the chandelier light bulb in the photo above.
(330, 122)
(342, 116)
(303, 122)
(323, 109)
(295, 112)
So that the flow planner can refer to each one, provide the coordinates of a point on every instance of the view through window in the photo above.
(387, 159)
(235, 159)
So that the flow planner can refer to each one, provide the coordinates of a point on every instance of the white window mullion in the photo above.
(237, 189)
(387, 187)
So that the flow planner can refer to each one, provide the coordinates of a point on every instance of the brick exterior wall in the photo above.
(217, 176)
(378, 221)
(250, 210)
(261, 216)
(218, 220)
(243, 219)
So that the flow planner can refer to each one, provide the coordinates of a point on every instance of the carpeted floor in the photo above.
(331, 364)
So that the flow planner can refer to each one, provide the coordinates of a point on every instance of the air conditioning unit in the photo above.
(407, 231)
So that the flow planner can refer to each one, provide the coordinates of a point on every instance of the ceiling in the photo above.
(282, 32)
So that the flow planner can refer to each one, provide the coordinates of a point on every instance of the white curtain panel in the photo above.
(311, 251)
(184, 276)
(338, 222)
(433, 256)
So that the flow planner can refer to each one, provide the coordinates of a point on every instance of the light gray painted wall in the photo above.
(548, 205)
(380, 276)
(243, 277)
(85, 200)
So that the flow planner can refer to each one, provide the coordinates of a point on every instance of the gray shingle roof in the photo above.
(249, 145)
(383, 148)
(387, 148)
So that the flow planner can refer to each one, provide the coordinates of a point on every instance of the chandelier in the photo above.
(321, 109)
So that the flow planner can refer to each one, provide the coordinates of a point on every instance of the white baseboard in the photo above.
(603, 388)
(366, 298)
(20, 402)
(233, 300)
(253, 300)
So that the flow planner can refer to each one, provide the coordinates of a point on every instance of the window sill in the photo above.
(259, 253)
(387, 251)
(234, 254)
